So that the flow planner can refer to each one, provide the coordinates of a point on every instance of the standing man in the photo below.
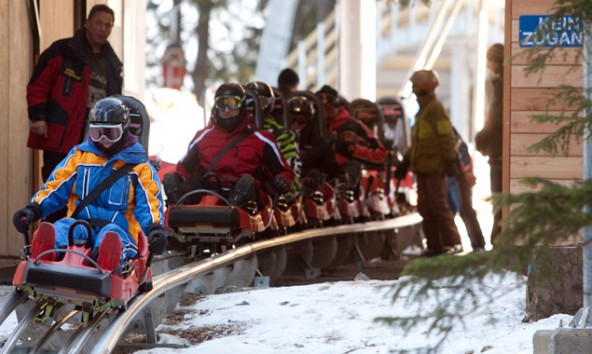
(432, 156)
(71, 75)
(488, 140)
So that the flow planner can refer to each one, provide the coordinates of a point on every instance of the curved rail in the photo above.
(183, 275)
(104, 331)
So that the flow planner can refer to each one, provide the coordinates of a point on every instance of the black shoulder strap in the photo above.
(223, 152)
(102, 186)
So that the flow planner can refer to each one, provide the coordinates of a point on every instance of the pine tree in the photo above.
(538, 220)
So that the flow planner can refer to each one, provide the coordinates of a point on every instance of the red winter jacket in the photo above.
(365, 146)
(257, 155)
(58, 91)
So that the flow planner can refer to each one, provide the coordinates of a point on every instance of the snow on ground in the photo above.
(339, 318)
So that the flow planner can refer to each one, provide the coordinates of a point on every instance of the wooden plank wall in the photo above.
(16, 66)
(15, 159)
(18, 164)
(525, 96)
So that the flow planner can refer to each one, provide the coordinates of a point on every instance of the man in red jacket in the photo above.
(71, 75)
(231, 156)
(354, 144)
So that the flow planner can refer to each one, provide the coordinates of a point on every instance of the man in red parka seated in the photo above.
(354, 144)
(231, 156)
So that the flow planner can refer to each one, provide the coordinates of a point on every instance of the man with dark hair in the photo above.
(71, 75)
(288, 81)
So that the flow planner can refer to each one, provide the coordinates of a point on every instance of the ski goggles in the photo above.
(228, 102)
(391, 110)
(109, 132)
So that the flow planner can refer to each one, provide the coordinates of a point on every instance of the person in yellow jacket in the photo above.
(432, 156)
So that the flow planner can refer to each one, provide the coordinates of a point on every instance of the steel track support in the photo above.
(149, 326)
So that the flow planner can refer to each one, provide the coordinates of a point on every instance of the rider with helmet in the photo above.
(432, 156)
(284, 137)
(367, 112)
(231, 156)
(353, 143)
(129, 205)
(301, 112)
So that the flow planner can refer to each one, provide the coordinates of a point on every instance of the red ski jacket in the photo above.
(58, 91)
(365, 146)
(257, 155)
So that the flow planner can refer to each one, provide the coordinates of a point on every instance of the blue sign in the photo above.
(541, 30)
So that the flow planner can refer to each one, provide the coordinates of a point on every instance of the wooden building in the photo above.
(528, 95)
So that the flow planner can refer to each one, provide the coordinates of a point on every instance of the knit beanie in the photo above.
(495, 53)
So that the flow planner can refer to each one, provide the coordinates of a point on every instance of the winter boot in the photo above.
(110, 252)
(44, 240)
(172, 188)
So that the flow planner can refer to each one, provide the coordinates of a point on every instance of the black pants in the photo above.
(495, 175)
(468, 214)
(50, 160)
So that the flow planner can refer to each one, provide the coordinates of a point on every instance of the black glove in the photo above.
(24, 217)
(343, 148)
(452, 168)
(157, 241)
(281, 184)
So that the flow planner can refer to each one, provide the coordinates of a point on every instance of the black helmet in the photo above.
(110, 110)
(231, 89)
(230, 95)
(362, 105)
(300, 105)
(300, 111)
(265, 94)
(109, 122)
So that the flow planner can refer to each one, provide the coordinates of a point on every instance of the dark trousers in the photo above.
(50, 160)
(432, 204)
(495, 175)
(468, 214)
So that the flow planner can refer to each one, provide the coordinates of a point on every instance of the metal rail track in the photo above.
(65, 333)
